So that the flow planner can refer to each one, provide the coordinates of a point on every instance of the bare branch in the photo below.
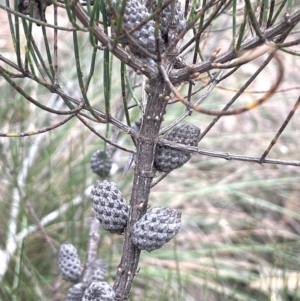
(226, 156)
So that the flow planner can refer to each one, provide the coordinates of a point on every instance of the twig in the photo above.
(237, 111)
(11, 11)
(104, 138)
(37, 132)
(92, 247)
(159, 179)
(12, 241)
(285, 123)
(189, 111)
(41, 228)
(242, 89)
(55, 47)
(180, 75)
(224, 155)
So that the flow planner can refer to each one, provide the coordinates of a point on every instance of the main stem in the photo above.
(143, 176)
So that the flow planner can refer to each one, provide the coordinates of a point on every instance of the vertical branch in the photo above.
(91, 254)
(17, 40)
(271, 11)
(55, 48)
(124, 97)
(234, 25)
(253, 19)
(27, 30)
(94, 16)
(265, 19)
(143, 177)
(47, 47)
(280, 8)
(237, 46)
(11, 243)
(106, 79)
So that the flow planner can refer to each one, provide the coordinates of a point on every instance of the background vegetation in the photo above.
(239, 238)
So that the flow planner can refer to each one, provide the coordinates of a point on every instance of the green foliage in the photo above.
(239, 238)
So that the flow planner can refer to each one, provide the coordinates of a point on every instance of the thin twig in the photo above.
(92, 247)
(37, 132)
(224, 155)
(159, 179)
(237, 95)
(37, 221)
(280, 131)
(55, 47)
(237, 111)
(104, 138)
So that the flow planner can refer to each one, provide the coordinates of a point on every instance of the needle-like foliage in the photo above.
(120, 90)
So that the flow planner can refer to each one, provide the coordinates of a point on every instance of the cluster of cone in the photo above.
(134, 14)
(158, 226)
(144, 36)
(70, 268)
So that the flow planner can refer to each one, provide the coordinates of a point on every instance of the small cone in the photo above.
(158, 226)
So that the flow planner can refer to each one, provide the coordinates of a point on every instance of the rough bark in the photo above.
(143, 176)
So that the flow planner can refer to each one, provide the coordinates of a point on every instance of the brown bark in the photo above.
(143, 176)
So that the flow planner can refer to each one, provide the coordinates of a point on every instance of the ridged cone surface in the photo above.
(167, 158)
(110, 206)
(135, 13)
(101, 163)
(165, 15)
(158, 226)
(99, 291)
(75, 293)
(69, 262)
(99, 268)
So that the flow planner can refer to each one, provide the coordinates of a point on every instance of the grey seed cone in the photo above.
(165, 17)
(167, 158)
(110, 206)
(135, 13)
(69, 262)
(99, 268)
(158, 226)
(99, 291)
(75, 293)
(101, 163)
(38, 11)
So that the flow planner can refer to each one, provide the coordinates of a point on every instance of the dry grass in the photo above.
(239, 238)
